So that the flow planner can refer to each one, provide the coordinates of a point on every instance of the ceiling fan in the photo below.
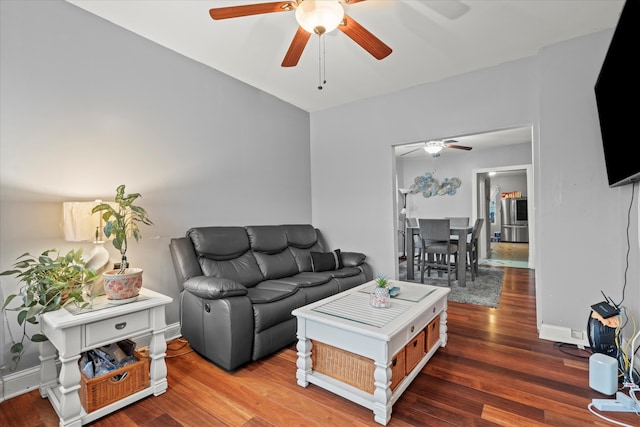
(313, 16)
(434, 147)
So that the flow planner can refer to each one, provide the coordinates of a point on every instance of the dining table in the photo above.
(460, 232)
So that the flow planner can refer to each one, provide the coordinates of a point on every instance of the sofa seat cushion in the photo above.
(307, 279)
(269, 291)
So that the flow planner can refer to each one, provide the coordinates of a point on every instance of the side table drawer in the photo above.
(109, 330)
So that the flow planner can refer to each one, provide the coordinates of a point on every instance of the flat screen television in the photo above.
(618, 97)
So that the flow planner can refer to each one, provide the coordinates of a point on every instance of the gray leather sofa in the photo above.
(239, 286)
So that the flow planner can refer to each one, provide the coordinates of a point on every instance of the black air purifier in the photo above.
(602, 338)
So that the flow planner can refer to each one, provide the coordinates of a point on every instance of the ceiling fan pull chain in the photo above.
(320, 61)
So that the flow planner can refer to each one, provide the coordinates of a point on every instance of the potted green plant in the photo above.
(50, 282)
(380, 296)
(122, 222)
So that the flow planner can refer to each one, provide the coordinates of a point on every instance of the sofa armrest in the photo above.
(214, 287)
(352, 259)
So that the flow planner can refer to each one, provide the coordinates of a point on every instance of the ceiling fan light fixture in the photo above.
(319, 16)
(433, 147)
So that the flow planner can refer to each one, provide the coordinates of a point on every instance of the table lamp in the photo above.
(80, 225)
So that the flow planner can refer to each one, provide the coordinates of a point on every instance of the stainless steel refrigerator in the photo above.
(514, 220)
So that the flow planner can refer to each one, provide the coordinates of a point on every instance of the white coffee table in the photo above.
(370, 355)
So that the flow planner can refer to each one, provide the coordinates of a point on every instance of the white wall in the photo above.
(86, 106)
(580, 222)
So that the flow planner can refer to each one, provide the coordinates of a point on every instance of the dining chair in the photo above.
(437, 248)
(473, 251)
(457, 221)
(413, 223)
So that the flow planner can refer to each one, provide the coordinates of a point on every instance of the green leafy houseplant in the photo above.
(382, 282)
(122, 221)
(50, 282)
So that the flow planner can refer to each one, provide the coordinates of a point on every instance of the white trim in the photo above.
(564, 335)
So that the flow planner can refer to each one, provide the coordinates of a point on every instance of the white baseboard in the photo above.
(564, 335)
(29, 379)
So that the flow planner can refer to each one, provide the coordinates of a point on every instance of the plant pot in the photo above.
(380, 298)
(121, 287)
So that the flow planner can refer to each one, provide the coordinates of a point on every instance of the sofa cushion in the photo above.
(269, 246)
(307, 279)
(219, 243)
(225, 252)
(243, 269)
(302, 239)
(326, 261)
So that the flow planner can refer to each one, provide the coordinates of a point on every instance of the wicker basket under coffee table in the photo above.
(370, 355)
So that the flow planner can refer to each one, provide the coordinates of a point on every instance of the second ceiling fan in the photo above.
(434, 147)
(313, 16)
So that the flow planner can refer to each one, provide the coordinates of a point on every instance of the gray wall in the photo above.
(86, 106)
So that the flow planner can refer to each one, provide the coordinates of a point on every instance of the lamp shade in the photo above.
(319, 16)
(79, 224)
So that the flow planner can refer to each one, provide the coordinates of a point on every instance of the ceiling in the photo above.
(430, 39)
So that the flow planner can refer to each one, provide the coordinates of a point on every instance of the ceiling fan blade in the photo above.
(251, 9)
(296, 48)
(364, 38)
(348, 2)
(459, 147)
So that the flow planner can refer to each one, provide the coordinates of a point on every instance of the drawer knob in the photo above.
(415, 343)
(434, 309)
(412, 328)
(394, 362)
(121, 326)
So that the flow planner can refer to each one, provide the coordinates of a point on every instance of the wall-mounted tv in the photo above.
(618, 98)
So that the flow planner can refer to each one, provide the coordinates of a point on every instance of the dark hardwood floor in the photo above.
(494, 371)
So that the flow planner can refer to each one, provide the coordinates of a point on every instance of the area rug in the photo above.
(485, 290)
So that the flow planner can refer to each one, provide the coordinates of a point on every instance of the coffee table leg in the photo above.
(304, 361)
(382, 393)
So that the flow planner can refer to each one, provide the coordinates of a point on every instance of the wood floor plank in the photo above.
(494, 371)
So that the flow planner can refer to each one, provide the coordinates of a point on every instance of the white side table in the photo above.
(71, 334)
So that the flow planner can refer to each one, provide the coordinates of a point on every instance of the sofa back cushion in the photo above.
(269, 246)
(225, 252)
(302, 240)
